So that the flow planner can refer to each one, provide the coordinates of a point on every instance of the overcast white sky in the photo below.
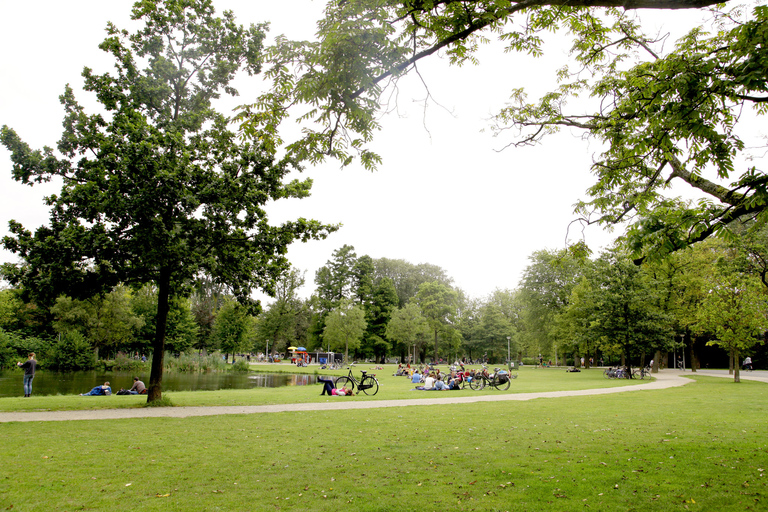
(442, 196)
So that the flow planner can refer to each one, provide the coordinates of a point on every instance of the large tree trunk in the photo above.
(155, 390)
(694, 356)
(736, 366)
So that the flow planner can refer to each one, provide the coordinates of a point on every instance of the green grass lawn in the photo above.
(698, 447)
(391, 388)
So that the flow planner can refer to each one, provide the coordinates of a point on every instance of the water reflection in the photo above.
(50, 383)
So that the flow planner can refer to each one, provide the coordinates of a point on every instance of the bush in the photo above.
(530, 361)
(71, 353)
(241, 365)
(195, 363)
(8, 356)
(14, 347)
(124, 363)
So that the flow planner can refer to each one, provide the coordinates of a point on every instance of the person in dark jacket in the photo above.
(29, 367)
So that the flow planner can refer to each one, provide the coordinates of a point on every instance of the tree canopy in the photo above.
(365, 46)
(670, 118)
(664, 118)
(158, 188)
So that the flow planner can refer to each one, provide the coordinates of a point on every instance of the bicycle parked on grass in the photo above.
(642, 373)
(616, 373)
(368, 384)
(499, 379)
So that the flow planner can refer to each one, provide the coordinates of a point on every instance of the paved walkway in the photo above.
(664, 379)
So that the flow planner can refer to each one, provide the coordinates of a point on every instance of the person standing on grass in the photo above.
(29, 373)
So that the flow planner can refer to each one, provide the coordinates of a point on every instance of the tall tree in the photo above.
(107, 322)
(378, 312)
(409, 328)
(279, 323)
(344, 328)
(438, 303)
(626, 316)
(546, 287)
(735, 311)
(158, 189)
(205, 302)
(493, 329)
(335, 280)
(407, 277)
(230, 328)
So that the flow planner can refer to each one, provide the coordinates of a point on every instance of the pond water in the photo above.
(73, 383)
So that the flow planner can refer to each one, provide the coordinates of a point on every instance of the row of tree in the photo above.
(567, 306)
(121, 321)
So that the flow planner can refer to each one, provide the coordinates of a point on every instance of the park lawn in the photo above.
(702, 446)
(530, 380)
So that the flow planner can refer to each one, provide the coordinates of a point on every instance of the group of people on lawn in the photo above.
(435, 381)
(105, 389)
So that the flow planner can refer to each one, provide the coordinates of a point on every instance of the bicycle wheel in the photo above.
(636, 374)
(477, 383)
(502, 384)
(344, 382)
(607, 374)
(369, 386)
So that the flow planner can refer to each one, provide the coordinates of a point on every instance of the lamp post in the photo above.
(267, 350)
(508, 359)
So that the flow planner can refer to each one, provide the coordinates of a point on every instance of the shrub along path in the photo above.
(664, 379)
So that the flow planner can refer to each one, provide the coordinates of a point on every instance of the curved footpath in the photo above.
(664, 379)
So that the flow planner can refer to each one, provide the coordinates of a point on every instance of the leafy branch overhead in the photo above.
(364, 46)
(673, 118)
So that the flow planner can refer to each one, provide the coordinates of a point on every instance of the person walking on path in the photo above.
(29, 373)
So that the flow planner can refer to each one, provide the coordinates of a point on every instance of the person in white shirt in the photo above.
(429, 382)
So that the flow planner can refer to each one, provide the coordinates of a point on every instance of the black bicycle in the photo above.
(368, 384)
(499, 379)
(642, 373)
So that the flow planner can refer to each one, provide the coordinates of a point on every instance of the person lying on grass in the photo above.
(328, 388)
(102, 390)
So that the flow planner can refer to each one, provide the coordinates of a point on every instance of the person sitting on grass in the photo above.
(102, 390)
(138, 387)
(416, 379)
(440, 385)
(429, 383)
(454, 381)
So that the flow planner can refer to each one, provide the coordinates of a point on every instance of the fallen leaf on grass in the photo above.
(162, 495)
